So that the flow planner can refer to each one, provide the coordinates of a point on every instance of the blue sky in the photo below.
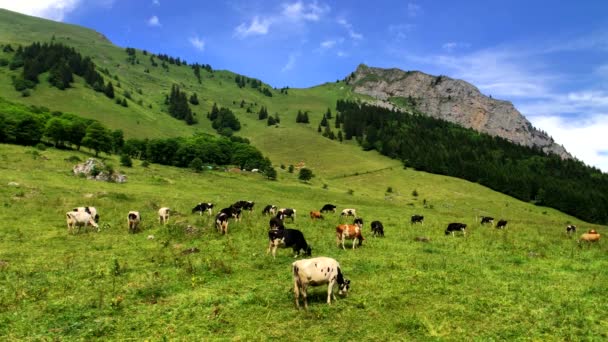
(550, 58)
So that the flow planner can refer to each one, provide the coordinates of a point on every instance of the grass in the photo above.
(528, 282)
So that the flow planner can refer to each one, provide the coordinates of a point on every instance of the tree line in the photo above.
(440, 147)
(177, 102)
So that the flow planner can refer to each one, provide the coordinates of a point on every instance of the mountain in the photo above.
(452, 100)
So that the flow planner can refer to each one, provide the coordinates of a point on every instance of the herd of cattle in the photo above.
(306, 272)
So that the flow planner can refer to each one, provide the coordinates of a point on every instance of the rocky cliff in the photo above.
(452, 100)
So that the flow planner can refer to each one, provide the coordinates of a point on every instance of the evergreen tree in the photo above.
(194, 99)
(263, 114)
(271, 121)
(324, 121)
(109, 91)
(328, 114)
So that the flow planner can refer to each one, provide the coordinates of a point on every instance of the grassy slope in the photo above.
(528, 282)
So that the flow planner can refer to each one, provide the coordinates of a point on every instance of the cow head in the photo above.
(308, 251)
(343, 288)
(358, 221)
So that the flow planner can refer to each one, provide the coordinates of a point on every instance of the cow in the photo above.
(377, 228)
(202, 207)
(315, 272)
(417, 219)
(351, 232)
(288, 212)
(570, 229)
(221, 222)
(163, 215)
(589, 237)
(316, 215)
(244, 205)
(348, 212)
(456, 227)
(487, 219)
(133, 221)
(232, 212)
(90, 210)
(286, 238)
(79, 219)
(327, 208)
(276, 222)
(501, 224)
(270, 210)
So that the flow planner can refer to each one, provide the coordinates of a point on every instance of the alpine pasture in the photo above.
(529, 281)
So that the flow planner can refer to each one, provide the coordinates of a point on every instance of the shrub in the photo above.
(290, 169)
(126, 161)
(40, 147)
(145, 163)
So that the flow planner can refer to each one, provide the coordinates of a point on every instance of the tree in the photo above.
(194, 99)
(109, 91)
(196, 164)
(305, 174)
(56, 129)
(271, 173)
(97, 138)
(125, 160)
(118, 140)
(263, 114)
(271, 121)
(328, 113)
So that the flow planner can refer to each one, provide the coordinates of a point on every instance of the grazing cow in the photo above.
(163, 215)
(288, 212)
(487, 219)
(202, 207)
(348, 212)
(570, 229)
(589, 237)
(316, 215)
(133, 220)
(351, 232)
(377, 228)
(501, 224)
(232, 212)
(90, 210)
(270, 210)
(244, 205)
(327, 208)
(79, 219)
(456, 227)
(286, 238)
(416, 219)
(276, 222)
(221, 223)
(315, 272)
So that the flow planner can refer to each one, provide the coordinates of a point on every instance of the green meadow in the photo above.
(528, 282)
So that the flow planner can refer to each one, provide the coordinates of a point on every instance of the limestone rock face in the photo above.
(95, 169)
(452, 100)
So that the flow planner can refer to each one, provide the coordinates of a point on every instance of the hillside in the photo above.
(452, 100)
(521, 283)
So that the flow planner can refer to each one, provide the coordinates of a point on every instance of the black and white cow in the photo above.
(286, 238)
(348, 212)
(133, 221)
(327, 208)
(501, 224)
(377, 228)
(456, 227)
(244, 205)
(270, 210)
(221, 222)
(417, 219)
(202, 207)
(79, 219)
(89, 210)
(232, 212)
(288, 212)
(487, 219)
(315, 272)
(570, 229)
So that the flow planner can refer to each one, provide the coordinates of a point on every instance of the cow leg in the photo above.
(355, 240)
(305, 297)
(274, 251)
(343, 242)
(269, 246)
(296, 293)
(330, 287)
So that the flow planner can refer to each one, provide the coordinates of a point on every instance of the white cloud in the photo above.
(156, 2)
(349, 28)
(413, 10)
(154, 21)
(298, 11)
(328, 44)
(256, 27)
(49, 9)
(341, 54)
(198, 43)
(291, 62)
(451, 46)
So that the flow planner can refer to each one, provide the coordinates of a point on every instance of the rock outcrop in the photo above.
(452, 100)
(95, 169)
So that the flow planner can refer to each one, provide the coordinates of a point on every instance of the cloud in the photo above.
(413, 10)
(156, 2)
(198, 43)
(401, 31)
(291, 13)
(328, 44)
(49, 9)
(291, 62)
(256, 27)
(451, 46)
(342, 54)
(154, 21)
(349, 28)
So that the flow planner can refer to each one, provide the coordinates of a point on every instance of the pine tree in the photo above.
(109, 91)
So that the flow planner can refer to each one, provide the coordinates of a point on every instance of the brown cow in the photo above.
(589, 237)
(316, 215)
(351, 232)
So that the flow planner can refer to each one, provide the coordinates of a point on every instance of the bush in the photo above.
(196, 164)
(145, 163)
(40, 147)
(389, 189)
(3, 62)
(126, 161)
(290, 169)
(305, 174)
(26, 93)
